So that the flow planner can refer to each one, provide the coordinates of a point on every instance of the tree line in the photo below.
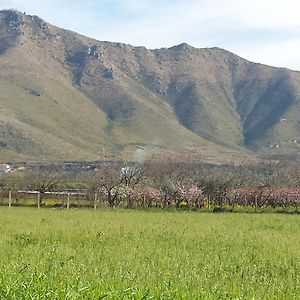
(165, 182)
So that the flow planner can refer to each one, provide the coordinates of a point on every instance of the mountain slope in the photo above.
(65, 96)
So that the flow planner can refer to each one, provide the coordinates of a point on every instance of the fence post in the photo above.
(95, 201)
(9, 198)
(38, 199)
(68, 202)
(208, 202)
(256, 202)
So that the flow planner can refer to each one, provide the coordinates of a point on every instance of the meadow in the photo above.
(127, 254)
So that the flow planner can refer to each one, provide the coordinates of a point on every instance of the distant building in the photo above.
(4, 168)
(127, 170)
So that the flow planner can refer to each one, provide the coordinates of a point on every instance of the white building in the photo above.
(4, 168)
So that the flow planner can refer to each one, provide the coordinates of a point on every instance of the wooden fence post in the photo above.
(256, 202)
(9, 198)
(95, 201)
(208, 202)
(68, 202)
(38, 199)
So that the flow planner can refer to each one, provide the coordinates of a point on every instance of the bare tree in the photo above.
(132, 175)
(42, 181)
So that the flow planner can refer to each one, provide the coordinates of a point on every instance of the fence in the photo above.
(60, 199)
(258, 198)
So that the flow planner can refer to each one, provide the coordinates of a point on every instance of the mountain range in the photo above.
(65, 96)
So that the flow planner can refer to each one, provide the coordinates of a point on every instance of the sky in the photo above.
(265, 31)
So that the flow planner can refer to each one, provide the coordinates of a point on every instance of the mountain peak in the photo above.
(10, 11)
(12, 15)
(182, 47)
(20, 23)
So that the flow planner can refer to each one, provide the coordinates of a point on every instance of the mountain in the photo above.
(68, 97)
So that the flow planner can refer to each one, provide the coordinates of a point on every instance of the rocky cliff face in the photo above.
(95, 98)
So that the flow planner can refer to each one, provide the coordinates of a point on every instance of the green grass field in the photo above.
(122, 254)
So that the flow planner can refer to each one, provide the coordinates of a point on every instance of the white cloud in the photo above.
(280, 54)
(267, 14)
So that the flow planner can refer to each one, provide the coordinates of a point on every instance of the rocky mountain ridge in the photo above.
(65, 96)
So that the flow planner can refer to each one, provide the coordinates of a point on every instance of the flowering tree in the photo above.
(193, 195)
(154, 195)
(108, 183)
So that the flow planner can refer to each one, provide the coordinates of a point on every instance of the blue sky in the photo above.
(260, 30)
